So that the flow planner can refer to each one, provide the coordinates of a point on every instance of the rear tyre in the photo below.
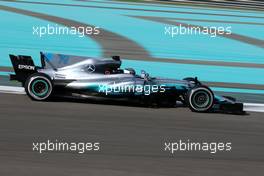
(200, 99)
(38, 87)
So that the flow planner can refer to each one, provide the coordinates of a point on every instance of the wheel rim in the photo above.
(40, 88)
(201, 100)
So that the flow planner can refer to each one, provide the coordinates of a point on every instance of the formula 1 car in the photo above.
(87, 77)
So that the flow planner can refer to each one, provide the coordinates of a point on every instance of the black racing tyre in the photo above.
(200, 99)
(39, 87)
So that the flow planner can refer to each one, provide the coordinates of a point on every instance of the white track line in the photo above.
(12, 90)
(254, 107)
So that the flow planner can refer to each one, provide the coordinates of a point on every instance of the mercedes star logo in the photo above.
(90, 68)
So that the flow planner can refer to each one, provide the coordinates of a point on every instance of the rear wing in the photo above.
(23, 67)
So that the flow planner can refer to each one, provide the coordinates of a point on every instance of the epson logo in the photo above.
(27, 67)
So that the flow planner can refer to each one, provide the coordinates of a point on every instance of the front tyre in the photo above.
(200, 99)
(39, 87)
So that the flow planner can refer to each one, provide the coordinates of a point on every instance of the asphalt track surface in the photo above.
(132, 139)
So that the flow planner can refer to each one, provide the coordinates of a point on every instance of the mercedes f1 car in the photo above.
(66, 75)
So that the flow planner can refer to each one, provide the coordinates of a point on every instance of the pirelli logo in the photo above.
(26, 67)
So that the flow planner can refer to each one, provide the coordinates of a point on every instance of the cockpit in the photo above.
(120, 71)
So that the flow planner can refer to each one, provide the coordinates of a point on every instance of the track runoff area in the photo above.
(248, 105)
(150, 15)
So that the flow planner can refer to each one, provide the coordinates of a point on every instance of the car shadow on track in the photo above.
(135, 103)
